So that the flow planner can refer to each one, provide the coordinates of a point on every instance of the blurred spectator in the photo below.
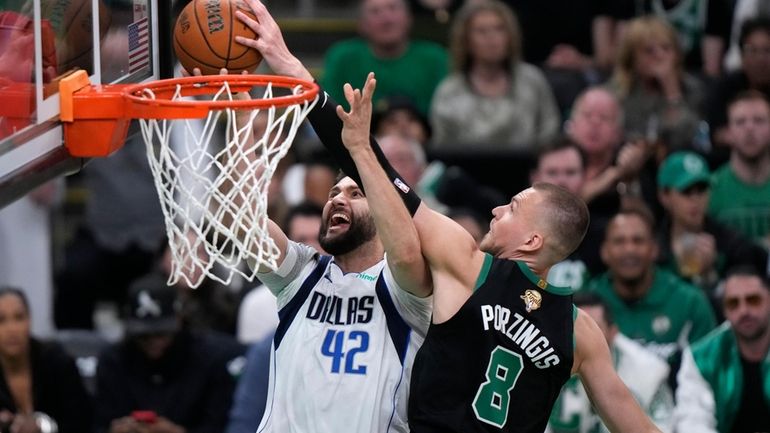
(403, 66)
(596, 125)
(754, 74)
(251, 394)
(702, 28)
(162, 378)
(644, 373)
(121, 237)
(660, 100)
(432, 18)
(744, 10)
(574, 42)
(693, 244)
(440, 186)
(26, 251)
(40, 385)
(492, 98)
(650, 305)
(740, 190)
(399, 116)
(725, 377)
(563, 163)
(212, 306)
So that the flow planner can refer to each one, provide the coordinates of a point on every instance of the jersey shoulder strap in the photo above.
(289, 311)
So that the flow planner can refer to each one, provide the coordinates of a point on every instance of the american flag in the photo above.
(138, 45)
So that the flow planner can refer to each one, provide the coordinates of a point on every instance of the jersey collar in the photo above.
(541, 283)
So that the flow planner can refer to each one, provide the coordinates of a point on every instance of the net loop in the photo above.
(212, 176)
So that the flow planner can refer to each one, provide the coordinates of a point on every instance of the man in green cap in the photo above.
(692, 244)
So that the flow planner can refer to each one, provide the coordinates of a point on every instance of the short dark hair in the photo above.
(640, 212)
(748, 271)
(305, 208)
(567, 217)
(589, 299)
(748, 95)
(14, 291)
(750, 26)
(562, 142)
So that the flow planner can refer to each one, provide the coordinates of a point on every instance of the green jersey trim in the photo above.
(574, 318)
(484, 271)
(543, 284)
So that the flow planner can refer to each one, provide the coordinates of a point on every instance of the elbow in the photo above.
(405, 257)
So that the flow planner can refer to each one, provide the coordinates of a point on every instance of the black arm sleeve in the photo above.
(328, 126)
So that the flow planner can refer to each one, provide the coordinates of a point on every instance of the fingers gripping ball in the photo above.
(204, 37)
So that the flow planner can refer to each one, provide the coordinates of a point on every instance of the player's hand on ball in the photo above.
(269, 42)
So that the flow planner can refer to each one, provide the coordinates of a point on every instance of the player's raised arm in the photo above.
(394, 224)
(612, 399)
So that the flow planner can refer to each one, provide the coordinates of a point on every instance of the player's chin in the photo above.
(486, 243)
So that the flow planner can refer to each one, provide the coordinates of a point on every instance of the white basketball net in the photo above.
(213, 189)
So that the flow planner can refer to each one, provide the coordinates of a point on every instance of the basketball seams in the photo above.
(230, 30)
(205, 53)
(187, 53)
(203, 33)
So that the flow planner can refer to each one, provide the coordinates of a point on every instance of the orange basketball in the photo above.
(204, 37)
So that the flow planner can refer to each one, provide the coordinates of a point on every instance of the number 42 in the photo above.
(333, 347)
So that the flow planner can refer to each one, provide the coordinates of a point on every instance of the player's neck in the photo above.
(754, 172)
(361, 258)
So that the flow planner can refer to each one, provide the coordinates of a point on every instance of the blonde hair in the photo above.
(459, 44)
(638, 32)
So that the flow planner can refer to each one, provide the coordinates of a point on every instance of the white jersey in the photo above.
(344, 347)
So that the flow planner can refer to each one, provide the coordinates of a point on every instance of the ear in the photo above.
(533, 243)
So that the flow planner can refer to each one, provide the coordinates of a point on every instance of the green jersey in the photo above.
(414, 74)
(670, 315)
(741, 206)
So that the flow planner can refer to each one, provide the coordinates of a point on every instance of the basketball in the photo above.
(204, 37)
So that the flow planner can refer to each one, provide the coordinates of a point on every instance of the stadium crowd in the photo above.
(655, 112)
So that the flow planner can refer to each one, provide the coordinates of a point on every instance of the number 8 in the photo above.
(493, 396)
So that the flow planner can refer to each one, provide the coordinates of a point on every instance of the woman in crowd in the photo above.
(40, 388)
(661, 102)
(492, 98)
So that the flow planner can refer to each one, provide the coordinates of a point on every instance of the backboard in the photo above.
(41, 41)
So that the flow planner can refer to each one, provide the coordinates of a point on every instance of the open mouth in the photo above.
(339, 220)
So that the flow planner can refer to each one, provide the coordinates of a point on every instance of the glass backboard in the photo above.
(41, 41)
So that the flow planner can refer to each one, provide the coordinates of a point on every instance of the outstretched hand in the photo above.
(357, 122)
(269, 42)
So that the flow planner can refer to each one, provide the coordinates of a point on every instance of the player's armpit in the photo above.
(609, 395)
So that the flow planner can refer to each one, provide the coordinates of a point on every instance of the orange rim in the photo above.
(164, 90)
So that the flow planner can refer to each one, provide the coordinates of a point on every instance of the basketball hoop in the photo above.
(213, 195)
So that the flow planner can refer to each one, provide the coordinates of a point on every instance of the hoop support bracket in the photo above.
(96, 117)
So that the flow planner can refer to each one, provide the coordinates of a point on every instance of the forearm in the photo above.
(595, 187)
(393, 220)
(328, 126)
